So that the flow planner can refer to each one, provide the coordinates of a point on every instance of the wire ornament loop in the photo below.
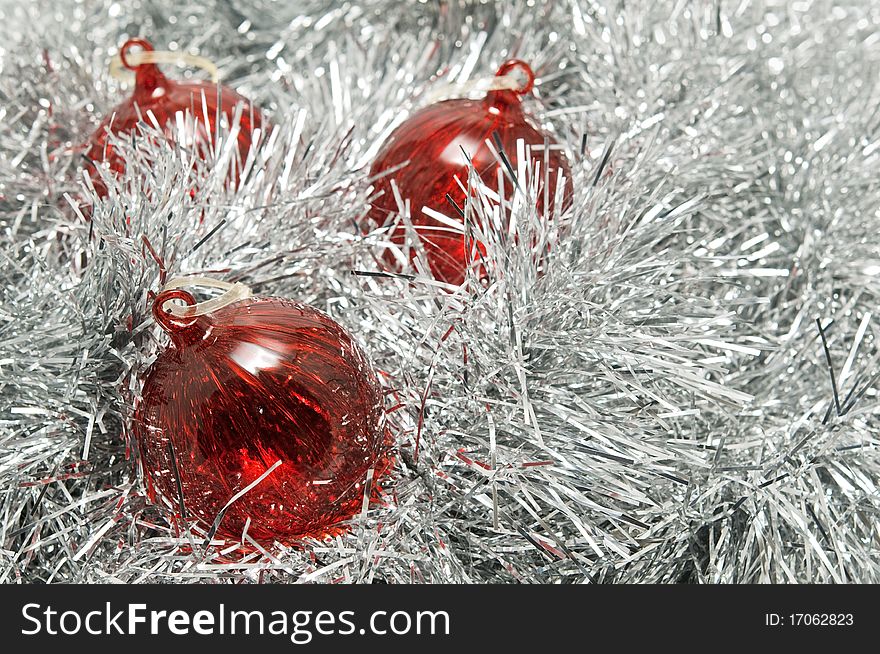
(513, 75)
(123, 65)
(233, 292)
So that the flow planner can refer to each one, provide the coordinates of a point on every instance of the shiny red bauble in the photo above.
(202, 103)
(260, 381)
(428, 148)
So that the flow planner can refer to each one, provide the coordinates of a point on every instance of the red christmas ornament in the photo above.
(430, 144)
(260, 383)
(165, 98)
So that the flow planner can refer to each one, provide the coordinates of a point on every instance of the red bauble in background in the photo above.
(166, 98)
(256, 382)
(430, 144)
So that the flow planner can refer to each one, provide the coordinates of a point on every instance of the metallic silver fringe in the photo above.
(682, 390)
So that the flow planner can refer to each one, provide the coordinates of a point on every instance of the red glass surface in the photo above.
(431, 141)
(259, 381)
(164, 97)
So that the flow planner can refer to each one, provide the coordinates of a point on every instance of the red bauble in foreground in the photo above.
(154, 93)
(260, 381)
(430, 144)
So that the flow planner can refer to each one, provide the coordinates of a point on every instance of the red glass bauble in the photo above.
(166, 98)
(428, 149)
(259, 381)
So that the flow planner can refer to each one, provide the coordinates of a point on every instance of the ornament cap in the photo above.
(189, 322)
(147, 74)
(519, 80)
(520, 71)
(183, 330)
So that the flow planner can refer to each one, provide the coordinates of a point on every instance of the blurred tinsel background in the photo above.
(686, 393)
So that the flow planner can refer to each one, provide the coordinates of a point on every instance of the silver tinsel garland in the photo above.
(683, 390)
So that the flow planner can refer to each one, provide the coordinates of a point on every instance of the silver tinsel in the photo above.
(683, 390)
